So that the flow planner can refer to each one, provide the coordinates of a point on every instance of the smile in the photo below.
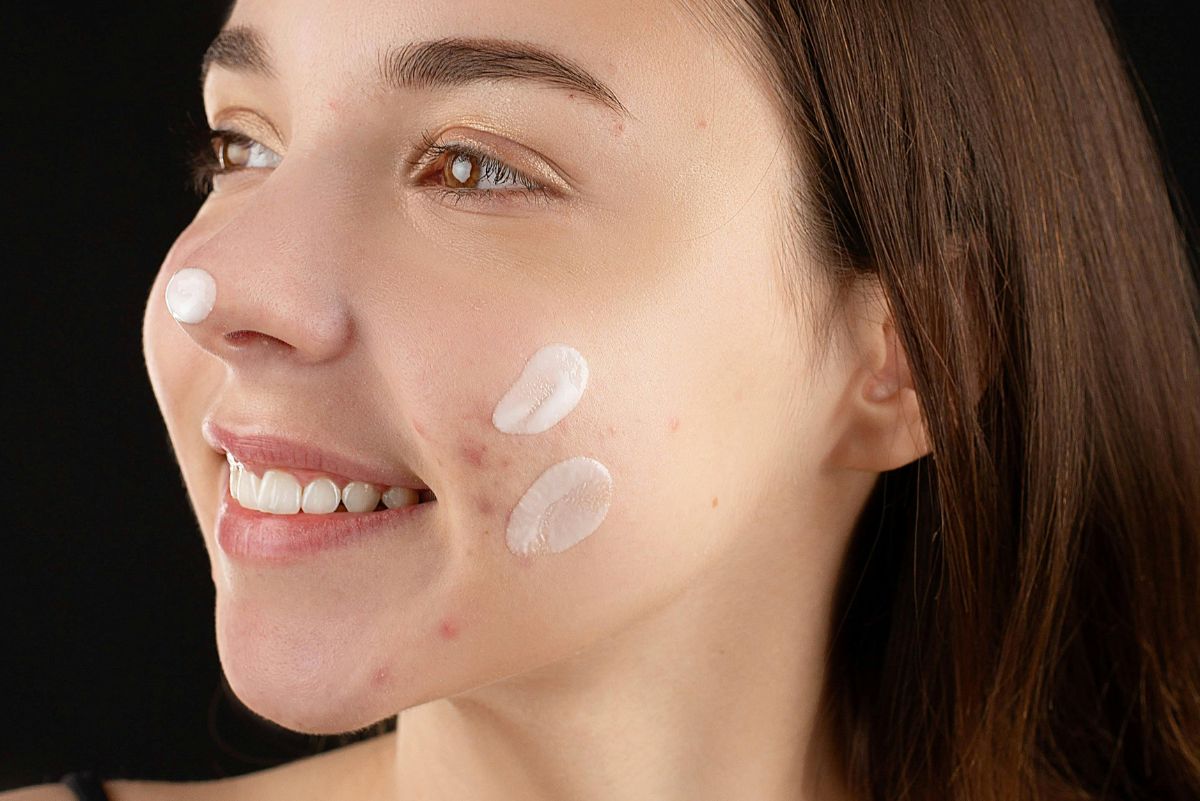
(279, 492)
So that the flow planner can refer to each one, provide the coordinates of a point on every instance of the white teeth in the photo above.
(321, 496)
(279, 493)
(358, 496)
(248, 489)
(396, 497)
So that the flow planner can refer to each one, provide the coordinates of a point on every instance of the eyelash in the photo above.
(205, 165)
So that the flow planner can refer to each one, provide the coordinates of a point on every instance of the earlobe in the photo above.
(885, 428)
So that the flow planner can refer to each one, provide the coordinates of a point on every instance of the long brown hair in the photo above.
(1018, 613)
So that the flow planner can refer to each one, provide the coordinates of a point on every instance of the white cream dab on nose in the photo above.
(191, 293)
(548, 388)
(564, 504)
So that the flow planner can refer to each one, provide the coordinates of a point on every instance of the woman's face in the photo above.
(363, 310)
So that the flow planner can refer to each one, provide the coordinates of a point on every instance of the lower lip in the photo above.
(255, 536)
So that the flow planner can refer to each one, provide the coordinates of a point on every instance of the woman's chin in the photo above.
(313, 681)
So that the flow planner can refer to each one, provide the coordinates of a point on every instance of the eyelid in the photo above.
(246, 123)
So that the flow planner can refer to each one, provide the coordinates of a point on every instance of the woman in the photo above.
(690, 400)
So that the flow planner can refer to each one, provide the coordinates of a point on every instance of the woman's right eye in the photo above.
(219, 152)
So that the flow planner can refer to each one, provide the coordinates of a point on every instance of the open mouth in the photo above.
(281, 491)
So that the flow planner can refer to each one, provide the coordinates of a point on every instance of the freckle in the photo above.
(714, 505)
(673, 424)
(506, 463)
(449, 629)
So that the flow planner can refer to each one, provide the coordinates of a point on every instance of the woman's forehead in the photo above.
(631, 62)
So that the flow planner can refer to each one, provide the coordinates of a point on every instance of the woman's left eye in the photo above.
(466, 173)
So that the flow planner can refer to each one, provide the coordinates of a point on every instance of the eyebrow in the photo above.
(446, 62)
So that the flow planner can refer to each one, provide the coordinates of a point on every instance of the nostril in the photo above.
(245, 337)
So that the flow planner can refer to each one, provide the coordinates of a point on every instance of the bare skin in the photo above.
(678, 651)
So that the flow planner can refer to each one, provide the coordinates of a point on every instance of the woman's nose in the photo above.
(244, 296)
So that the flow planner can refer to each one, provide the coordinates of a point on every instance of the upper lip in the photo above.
(252, 446)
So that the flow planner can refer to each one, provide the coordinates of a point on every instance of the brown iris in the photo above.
(452, 180)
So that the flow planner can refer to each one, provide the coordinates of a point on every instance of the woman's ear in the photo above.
(881, 426)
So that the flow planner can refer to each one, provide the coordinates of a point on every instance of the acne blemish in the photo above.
(380, 677)
(564, 505)
(550, 384)
(484, 506)
(448, 629)
(673, 424)
(472, 453)
(714, 502)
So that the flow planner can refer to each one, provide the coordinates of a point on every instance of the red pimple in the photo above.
(673, 424)
(473, 453)
(484, 505)
(380, 677)
(449, 629)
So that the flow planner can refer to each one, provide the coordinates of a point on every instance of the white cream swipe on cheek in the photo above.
(564, 504)
(549, 386)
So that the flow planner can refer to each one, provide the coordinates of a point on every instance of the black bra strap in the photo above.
(86, 785)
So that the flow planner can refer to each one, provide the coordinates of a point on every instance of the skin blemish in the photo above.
(673, 424)
(448, 629)
(472, 453)
(714, 502)
(701, 123)
(420, 429)
(380, 677)
(484, 505)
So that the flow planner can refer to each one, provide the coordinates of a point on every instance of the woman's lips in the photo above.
(261, 537)
(256, 448)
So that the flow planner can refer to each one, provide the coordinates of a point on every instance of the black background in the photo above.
(109, 656)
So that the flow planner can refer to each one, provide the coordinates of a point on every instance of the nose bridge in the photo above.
(277, 273)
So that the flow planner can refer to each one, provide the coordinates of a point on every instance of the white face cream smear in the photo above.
(191, 293)
(565, 504)
(549, 386)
